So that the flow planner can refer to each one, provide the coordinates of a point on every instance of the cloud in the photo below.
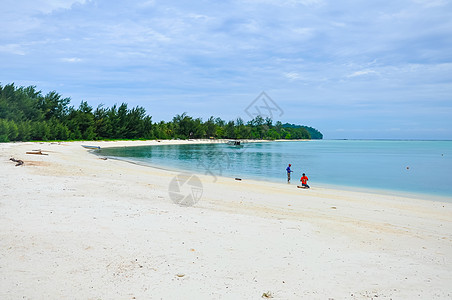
(304, 2)
(32, 7)
(71, 59)
(432, 3)
(362, 73)
(146, 4)
(12, 49)
(48, 6)
(293, 76)
(287, 2)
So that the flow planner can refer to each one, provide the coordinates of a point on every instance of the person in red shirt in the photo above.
(304, 181)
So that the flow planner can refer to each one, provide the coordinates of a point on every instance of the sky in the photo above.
(352, 69)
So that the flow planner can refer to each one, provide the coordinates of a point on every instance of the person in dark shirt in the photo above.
(288, 173)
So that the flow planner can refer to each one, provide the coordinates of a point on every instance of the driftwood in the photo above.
(38, 152)
(17, 161)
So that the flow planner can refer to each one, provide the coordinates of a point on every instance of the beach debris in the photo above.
(180, 275)
(37, 152)
(103, 158)
(267, 295)
(333, 207)
(17, 161)
(238, 179)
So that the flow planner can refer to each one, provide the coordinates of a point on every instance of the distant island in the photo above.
(27, 115)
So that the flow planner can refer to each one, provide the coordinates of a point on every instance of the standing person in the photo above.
(288, 173)
(304, 181)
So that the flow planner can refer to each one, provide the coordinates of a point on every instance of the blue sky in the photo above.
(352, 69)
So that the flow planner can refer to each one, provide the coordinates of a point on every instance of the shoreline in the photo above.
(327, 186)
(351, 188)
(76, 226)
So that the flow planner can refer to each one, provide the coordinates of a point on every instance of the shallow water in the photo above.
(420, 167)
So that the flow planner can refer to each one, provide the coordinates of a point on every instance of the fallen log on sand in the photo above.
(18, 161)
(38, 152)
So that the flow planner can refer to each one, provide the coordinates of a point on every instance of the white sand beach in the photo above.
(75, 226)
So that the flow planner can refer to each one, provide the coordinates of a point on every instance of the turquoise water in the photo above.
(419, 167)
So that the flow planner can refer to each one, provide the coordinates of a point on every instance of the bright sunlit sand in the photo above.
(76, 226)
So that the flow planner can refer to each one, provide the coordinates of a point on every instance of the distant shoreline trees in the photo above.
(27, 115)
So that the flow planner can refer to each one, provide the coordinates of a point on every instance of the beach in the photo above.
(76, 226)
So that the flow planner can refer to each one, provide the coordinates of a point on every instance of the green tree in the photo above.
(230, 130)
(24, 131)
(187, 127)
(4, 130)
(102, 123)
(81, 122)
(53, 106)
(27, 115)
(210, 127)
(135, 123)
(13, 130)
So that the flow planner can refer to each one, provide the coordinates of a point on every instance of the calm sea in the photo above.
(415, 167)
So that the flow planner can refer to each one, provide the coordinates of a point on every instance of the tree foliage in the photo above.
(314, 133)
(26, 114)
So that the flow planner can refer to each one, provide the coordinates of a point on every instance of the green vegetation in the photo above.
(25, 114)
(314, 133)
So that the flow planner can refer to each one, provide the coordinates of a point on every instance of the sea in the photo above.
(399, 167)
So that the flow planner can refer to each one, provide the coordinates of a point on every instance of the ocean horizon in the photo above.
(402, 167)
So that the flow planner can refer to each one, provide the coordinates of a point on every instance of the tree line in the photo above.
(26, 115)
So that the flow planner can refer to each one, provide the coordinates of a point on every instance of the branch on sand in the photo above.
(38, 152)
(17, 161)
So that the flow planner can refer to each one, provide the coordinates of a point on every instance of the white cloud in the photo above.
(303, 31)
(71, 59)
(338, 24)
(432, 3)
(27, 7)
(12, 49)
(304, 2)
(146, 4)
(48, 6)
(362, 73)
(288, 2)
(293, 76)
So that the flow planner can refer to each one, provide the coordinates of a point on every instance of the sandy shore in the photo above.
(74, 226)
